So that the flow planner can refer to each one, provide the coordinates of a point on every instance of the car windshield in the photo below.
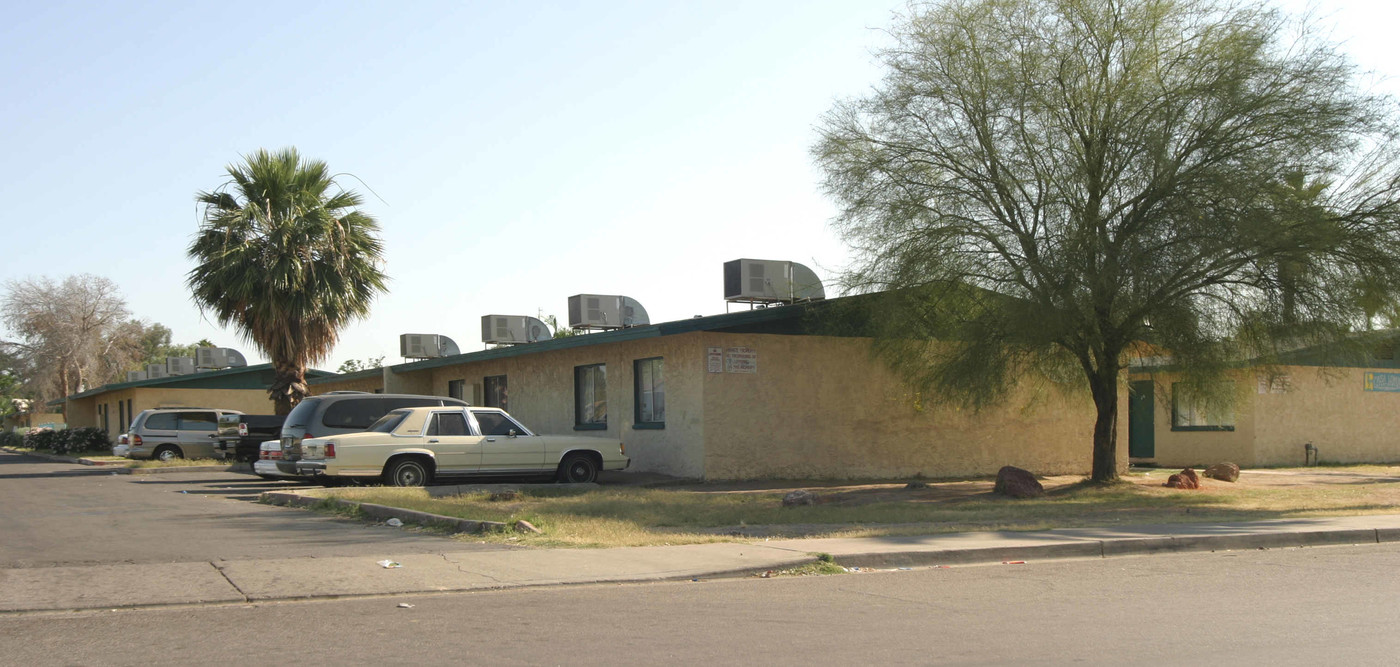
(388, 422)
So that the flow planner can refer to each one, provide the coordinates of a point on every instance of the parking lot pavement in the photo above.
(64, 515)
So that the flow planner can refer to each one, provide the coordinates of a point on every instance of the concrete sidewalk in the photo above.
(241, 581)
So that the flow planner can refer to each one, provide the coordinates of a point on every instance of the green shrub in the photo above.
(41, 439)
(11, 439)
(83, 440)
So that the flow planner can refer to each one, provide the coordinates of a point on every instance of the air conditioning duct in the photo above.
(427, 346)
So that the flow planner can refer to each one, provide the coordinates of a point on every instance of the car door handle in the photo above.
(432, 442)
(490, 440)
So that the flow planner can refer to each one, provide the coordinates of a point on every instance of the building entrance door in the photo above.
(1141, 408)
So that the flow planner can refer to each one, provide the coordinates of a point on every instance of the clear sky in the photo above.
(518, 153)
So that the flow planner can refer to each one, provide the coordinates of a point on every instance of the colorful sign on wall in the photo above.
(1382, 381)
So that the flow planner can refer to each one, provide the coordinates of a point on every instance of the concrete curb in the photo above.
(384, 512)
(117, 467)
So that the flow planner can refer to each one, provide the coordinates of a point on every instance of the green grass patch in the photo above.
(631, 516)
(104, 454)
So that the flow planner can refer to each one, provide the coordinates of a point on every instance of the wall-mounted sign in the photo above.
(714, 360)
(741, 360)
(1382, 381)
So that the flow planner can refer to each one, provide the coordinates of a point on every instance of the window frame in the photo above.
(638, 422)
(1178, 410)
(461, 389)
(579, 373)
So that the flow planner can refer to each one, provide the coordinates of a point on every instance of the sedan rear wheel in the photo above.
(168, 453)
(407, 472)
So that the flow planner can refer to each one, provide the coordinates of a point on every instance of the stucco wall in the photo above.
(1331, 409)
(1182, 448)
(371, 384)
(85, 410)
(540, 390)
(821, 407)
(1327, 407)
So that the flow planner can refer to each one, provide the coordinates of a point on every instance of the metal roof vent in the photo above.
(512, 329)
(770, 281)
(427, 346)
(214, 358)
(155, 371)
(135, 376)
(599, 311)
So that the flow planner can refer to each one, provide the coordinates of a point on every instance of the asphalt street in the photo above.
(55, 514)
(1298, 606)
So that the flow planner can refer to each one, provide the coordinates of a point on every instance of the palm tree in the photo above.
(284, 256)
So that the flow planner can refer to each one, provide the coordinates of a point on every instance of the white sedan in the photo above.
(414, 446)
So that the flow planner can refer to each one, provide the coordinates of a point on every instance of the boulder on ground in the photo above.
(1186, 479)
(799, 497)
(1225, 472)
(1017, 483)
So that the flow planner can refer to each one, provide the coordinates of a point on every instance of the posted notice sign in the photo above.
(1382, 381)
(741, 360)
(714, 360)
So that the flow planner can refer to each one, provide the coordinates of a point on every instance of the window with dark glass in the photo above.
(456, 388)
(650, 378)
(495, 390)
(161, 421)
(448, 423)
(199, 421)
(591, 397)
(496, 423)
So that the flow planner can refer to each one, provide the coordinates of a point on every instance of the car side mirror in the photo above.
(510, 433)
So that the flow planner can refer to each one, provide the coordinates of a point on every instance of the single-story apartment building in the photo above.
(24, 415)
(752, 394)
(112, 407)
(1300, 410)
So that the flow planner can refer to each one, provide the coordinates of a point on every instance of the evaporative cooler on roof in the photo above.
(512, 329)
(770, 281)
(426, 346)
(605, 311)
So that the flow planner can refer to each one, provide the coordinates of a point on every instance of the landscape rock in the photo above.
(1186, 479)
(799, 498)
(1225, 472)
(523, 526)
(1018, 483)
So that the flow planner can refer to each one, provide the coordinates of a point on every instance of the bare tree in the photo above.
(66, 335)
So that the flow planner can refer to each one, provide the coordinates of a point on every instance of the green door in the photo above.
(1140, 411)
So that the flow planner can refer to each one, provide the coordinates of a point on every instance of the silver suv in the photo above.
(174, 433)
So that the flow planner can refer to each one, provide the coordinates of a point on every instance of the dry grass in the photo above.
(179, 463)
(631, 516)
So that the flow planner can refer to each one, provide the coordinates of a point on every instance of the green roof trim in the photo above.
(248, 377)
(357, 375)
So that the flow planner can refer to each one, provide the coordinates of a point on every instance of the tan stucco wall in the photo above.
(371, 385)
(1202, 448)
(1331, 409)
(84, 411)
(821, 407)
(32, 419)
(540, 390)
(1327, 407)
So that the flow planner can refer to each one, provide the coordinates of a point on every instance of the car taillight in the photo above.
(330, 450)
(264, 455)
(242, 429)
(122, 440)
(622, 448)
(135, 440)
